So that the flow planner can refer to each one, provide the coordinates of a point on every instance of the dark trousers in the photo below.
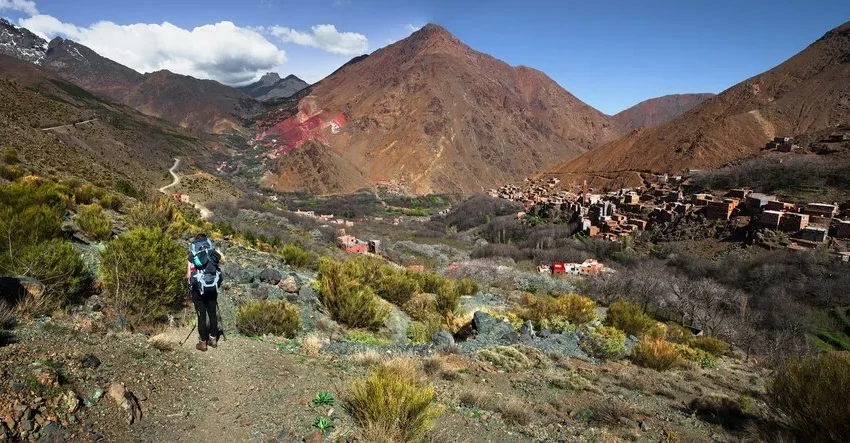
(205, 306)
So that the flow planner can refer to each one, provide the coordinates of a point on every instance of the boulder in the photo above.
(443, 339)
(90, 361)
(289, 284)
(270, 276)
(526, 333)
(232, 272)
(492, 330)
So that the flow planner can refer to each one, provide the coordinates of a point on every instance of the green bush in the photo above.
(811, 395)
(557, 314)
(295, 256)
(367, 338)
(447, 298)
(11, 172)
(397, 287)
(655, 353)
(428, 281)
(110, 201)
(712, 345)
(259, 317)
(10, 157)
(421, 307)
(629, 318)
(127, 188)
(605, 342)
(94, 222)
(85, 194)
(392, 404)
(420, 332)
(704, 359)
(56, 264)
(144, 274)
(346, 300)
(467, 286)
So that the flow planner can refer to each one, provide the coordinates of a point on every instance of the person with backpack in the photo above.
(204, 278)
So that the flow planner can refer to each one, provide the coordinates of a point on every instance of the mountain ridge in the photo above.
(658, 110)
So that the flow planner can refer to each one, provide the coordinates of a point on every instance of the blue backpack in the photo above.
(204, 257)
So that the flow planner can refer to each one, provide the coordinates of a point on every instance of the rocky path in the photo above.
(69, 125)
(205, 213)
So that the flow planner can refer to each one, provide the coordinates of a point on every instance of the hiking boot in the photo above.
(201, 346)
(212, 342)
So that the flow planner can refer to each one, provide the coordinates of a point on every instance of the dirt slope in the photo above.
(657, 111)
(808, 92)
(434, 115)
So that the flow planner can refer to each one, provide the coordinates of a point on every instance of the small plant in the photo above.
(467, 286)
(258, 317)
(346, 301)
(558, 314)
(421, 332)
(605, 342)
(367, 338)
(704, 359)
(712, 345)
(94, 222)
(448, 298)
(392, 403)
(513, 358)
(719, 409)
(655, 353)
(323, 424)
(811, 396)
(630, 318)
(323, 398)
(295, 256)
(397, 287)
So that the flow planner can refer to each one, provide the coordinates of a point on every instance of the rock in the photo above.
(126, 400)
(307, 295)
(398, 322)
(490, 329)
(289, 284)
(94, 303)
(71, 402)
(526, 333)
(16, 386)
(27, 425)
(544, 333)
(313, 437)
(270, 276)
(443, 339)
(90, 361)
(49, 429)
(231, 272)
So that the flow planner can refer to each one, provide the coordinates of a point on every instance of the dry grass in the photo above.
(367, 358)
(476, 399)
(163, 341)
(392, 403)
(656, 354)
(7, 314)
(612, 413)
(311, 345)
(513, 410)
(432, 366)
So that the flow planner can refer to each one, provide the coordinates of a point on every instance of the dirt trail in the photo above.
(205, 213)
(69, 124)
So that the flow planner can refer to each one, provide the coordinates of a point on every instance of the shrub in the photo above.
(655, 353)
(110, 201)
(295, 256)
(629, 318)
(712, 345)
(513, 358)
(57, 265)
(143, 272)
(677, 333)
(448, 298)
(557, 314)
(346, 301)
(428, 281)
(392, 404)
(467, 286)
(11, 172)
(260, 317)
(605, 342)
(367, 338)
(85, 194)
(127, 188)
(397, 287)
(421, 307)
(719, 409)
(10, 157)
(704, 359)
(421, 332)
(159, 214)
(811, 395)
(612, 413)
(94, 222)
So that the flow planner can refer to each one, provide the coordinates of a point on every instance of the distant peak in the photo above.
(435, 36)
(292, 77)
(270, 77)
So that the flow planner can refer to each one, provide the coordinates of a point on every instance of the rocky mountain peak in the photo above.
(269, 78)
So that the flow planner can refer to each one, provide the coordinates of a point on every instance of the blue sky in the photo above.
(610, 54)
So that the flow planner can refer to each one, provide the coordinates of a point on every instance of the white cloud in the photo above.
(25, 6)
(221, 51)
(412, 28)
(326, 38)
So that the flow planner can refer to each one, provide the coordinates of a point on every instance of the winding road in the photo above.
(205, 213)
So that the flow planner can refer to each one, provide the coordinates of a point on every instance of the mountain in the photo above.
(59, 128)
(657, 111)
(199, 105)
(271, 86)
(429, 114)
(808, 92)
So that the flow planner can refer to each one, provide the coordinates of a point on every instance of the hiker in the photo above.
(204, 278)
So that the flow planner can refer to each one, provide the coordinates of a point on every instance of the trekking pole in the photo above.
(190, 334)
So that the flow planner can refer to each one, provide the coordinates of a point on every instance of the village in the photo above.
(663, 199)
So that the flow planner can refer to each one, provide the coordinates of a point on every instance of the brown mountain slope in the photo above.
(657, 111)
(434, 115)
(200, 105)
(87, 137)
(808, 92)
